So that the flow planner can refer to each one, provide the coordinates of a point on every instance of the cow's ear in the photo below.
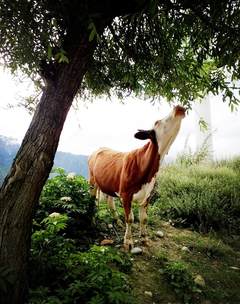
(145, 134)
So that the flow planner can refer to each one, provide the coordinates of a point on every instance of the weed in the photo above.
(182, 281)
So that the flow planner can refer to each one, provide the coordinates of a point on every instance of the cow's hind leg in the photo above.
(129, 219)
(143, 222)
(112, 207)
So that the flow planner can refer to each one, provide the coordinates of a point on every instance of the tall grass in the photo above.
(205, 196)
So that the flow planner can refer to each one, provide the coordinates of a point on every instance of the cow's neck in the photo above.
(148, 159)
(164, 146)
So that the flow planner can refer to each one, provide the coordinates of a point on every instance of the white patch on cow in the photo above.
(166, 131)
(142, 195)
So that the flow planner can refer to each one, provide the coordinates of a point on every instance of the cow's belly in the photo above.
(143, 194)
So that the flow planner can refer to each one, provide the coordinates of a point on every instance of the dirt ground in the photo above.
(215, 260)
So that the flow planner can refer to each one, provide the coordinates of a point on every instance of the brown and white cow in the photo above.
(132, 175)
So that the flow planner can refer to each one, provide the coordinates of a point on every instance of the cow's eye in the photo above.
(157, 123)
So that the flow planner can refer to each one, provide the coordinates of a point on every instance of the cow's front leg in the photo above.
(129, 219)
(143, 223)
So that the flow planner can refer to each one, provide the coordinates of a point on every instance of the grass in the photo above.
(216, 261)
(205, 197)
(208, 256)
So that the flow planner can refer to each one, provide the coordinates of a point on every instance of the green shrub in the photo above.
(182, 281)
(59, 271)
(95, 276)
(205, 197)
(67, 194)
(50, 248)
(61, 274)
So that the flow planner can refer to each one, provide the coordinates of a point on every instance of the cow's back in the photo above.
(105, 167)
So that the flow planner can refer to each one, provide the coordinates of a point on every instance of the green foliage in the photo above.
(203, 196)
(95, 276)
(171, 52)
(180, 50)
(182, 281)
(60, 272)
(233, 164)
(68, 194)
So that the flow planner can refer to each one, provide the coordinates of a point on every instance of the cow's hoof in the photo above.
(145, 242)
(128, 246)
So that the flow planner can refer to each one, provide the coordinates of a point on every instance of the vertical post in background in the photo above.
(204, 137)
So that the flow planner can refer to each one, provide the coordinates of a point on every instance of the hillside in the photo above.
(68, 161)
(193, 255)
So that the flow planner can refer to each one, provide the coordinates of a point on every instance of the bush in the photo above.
(70, 195)
(59, 271)
(62, 274)
(205, 197)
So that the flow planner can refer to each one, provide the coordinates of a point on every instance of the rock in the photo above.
(160, 233)
(185, 249)
(148, 293)
(199, 280)
(106, 242)
(136, 250)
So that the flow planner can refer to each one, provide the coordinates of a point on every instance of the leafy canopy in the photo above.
(174, 48)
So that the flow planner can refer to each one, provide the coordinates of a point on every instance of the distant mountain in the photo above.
(8, 150)
(72, 163)
(68, 161)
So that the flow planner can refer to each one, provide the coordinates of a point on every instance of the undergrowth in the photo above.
(61, 269)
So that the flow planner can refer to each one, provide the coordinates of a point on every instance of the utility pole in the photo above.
(204, 137)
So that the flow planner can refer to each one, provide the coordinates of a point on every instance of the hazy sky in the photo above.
(112, 124)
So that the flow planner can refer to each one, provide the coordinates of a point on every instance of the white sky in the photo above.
(112, 124)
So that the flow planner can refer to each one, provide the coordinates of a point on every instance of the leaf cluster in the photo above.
(178, 49)
(172, 49)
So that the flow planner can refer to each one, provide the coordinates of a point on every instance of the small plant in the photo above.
(182, 281)
(201, 156)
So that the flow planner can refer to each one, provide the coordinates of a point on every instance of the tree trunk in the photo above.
(31, 167)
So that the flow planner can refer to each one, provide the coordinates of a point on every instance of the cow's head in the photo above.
(165, 130)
